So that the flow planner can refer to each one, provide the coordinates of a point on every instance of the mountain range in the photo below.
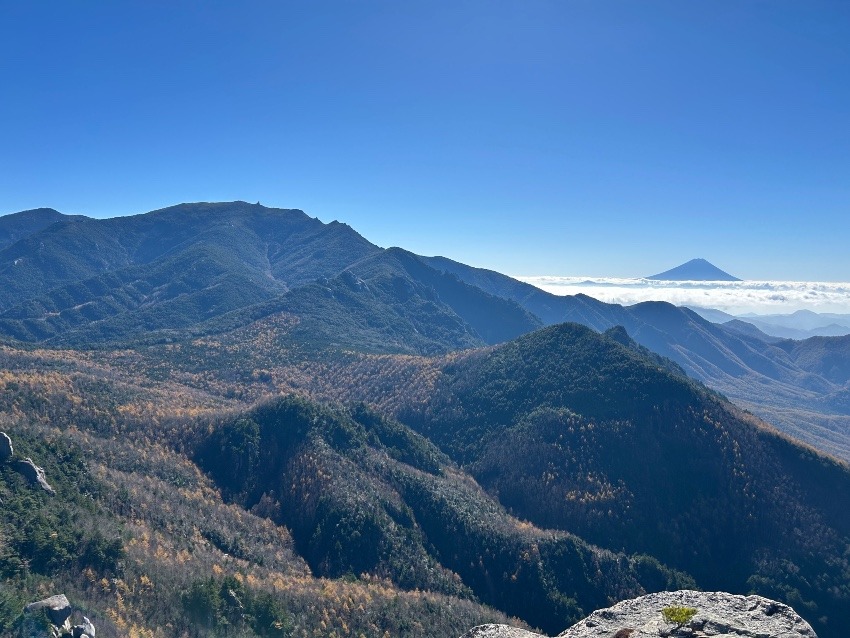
(799, 386)
(798, 325)
(277, 419)
(197, 269)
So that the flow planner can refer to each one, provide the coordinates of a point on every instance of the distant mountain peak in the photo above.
(17, 226)
(695, 270)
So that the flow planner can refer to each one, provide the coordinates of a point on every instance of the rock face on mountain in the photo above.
(51, 618)
(7, 451)
(34, 474)
(717, 614)
(26, 467)
(57, 608)
(499, 631)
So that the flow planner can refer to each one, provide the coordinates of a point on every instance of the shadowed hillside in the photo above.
(21, 225)
(197, 269)
(365, 494)
(576, 431)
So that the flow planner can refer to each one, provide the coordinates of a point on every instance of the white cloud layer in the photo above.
(734, 297)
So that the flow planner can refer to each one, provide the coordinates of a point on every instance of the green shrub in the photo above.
(678, 615)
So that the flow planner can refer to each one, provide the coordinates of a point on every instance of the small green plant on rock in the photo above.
(678, 616)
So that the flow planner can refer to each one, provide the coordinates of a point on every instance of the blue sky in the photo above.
(562, 138)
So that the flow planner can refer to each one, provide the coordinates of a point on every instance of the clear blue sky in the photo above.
(564, 137)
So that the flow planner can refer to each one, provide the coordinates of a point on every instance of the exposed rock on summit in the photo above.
(717, 614)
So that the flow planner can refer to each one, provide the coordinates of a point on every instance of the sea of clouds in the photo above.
(734, 297)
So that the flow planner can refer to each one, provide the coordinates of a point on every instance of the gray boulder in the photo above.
(51, 618)
(84, 630)
(34, 474)
(6, 449)
(499, 631)
(718, 614)
(56, 608)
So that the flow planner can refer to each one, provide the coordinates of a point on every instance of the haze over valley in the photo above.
(734, 298)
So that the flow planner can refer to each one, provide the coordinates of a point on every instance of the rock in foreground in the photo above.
(498, 631)
(717, 614)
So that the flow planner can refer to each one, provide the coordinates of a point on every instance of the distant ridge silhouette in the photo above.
(695, 270)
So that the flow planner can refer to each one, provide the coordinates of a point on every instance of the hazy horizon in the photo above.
(733, 297)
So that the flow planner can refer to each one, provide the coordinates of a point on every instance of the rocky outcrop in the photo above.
(84, 630)
(51, 618)
(717, 614)
(499, 631)
(34, 474)
(6, 449)
(57, 609)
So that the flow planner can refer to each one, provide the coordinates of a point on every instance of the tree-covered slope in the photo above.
(577, 431)
(364, 494)
(285, 246)
(80, 271)
(142, 543)
(620, 465)
(21, 225)
(197, 269)
(392, 302)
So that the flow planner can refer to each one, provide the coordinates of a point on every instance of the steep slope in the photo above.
(197, 269)
(175, 292)
(275, 249)
(363, 494)
(573, 430)
(141, 541)
(748, 329)
(389, 302)
(548, 307)
(397, 272)
(828, 357)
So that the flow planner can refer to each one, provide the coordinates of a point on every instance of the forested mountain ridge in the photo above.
(190, 269)
(285, 245)
(17, 226)
(141, 542)
(574, 430)
(362, 493)
(166, 269)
